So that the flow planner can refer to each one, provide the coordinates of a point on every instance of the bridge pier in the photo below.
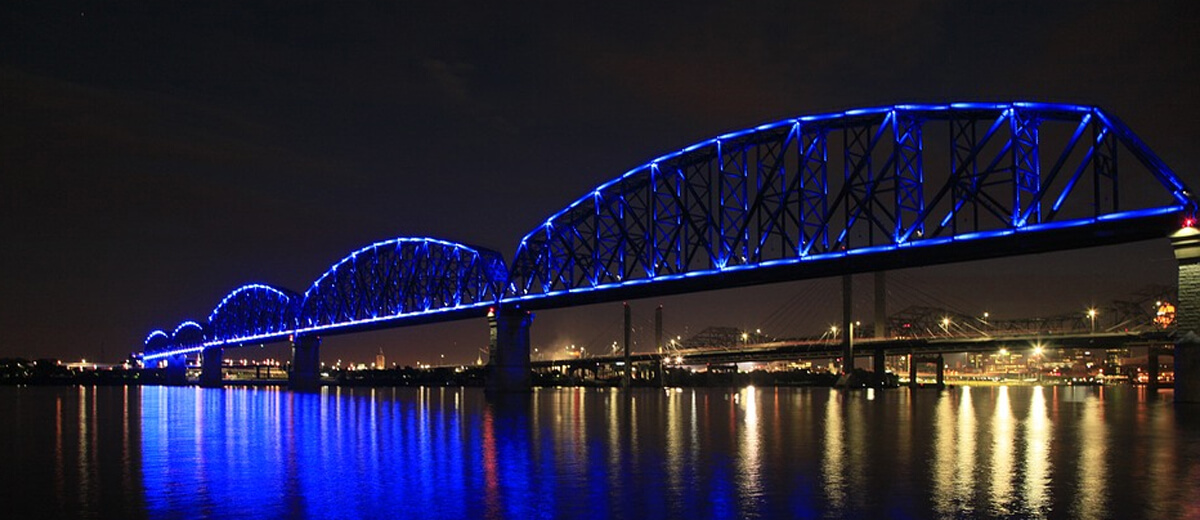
(627, 374)
(879, 365)
(1186, 243)
(210, 367)
(508, 351)
(941, 371)
(1152, 369)
(847, 325)
(881, 304)
(176, 370)
(658, 320)
(939, 360)
(305, 373)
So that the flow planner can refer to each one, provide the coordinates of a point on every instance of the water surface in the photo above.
(983, 452)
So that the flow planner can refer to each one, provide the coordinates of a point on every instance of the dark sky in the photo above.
(155, 157)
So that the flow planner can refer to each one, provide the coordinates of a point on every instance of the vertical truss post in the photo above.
(813, 147)
(637, 234)
(1025, 166)
(859, 178)
(909, 173)
(1104, 168)
(963, 140)
(701, 232)
(732, 172)
(668, 219)
(599, 253)
(770, 205)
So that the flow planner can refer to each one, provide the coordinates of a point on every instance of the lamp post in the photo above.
(1092, 316)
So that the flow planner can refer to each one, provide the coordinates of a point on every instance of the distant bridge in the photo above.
(813, 196)
(790, 350)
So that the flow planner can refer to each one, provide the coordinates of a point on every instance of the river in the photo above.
(966, 452)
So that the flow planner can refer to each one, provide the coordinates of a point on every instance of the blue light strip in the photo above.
(1156, 165)
(383, 319)
(188, 323)
(1170, 177)
(168, 353)
(158, 332)
(279, 336)
(539, 240)
(477, 252)
(920, 243)
(248, 287)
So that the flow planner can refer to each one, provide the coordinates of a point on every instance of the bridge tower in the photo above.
(1186, 243)
(305, 373)
(508, 350)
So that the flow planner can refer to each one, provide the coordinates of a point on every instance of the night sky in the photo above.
(154, 158)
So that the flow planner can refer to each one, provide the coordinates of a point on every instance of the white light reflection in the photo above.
(750, 459)
(1037, 455)
(1093, 470)
(1002, 455)
(59, 461)
(964, 471)
(614, 440)
(954, 454)
(674, 447)
(833, 464)
(82, 464)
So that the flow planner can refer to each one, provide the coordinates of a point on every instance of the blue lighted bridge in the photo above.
(813, 196)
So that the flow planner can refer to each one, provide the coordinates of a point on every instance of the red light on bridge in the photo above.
(1189, 222)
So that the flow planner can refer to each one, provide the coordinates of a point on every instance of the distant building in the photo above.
(380, 361)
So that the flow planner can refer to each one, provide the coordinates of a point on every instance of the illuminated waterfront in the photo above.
(162, 452)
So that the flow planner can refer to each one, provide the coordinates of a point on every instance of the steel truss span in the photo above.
(400, 278)
(781, 200)
(867, 189)
(253, 310)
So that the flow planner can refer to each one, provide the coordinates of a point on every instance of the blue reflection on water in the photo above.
(704, 453)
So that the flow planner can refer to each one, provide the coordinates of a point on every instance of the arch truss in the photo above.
(401, 278)
(826, 186)
(253, 312)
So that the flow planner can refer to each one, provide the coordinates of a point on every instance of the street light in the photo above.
(1092, 315)
(946, 325)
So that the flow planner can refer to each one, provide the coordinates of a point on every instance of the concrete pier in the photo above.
(879, 365)
(176, 370)
(627, 374)
(210, 367)
(508, 351)
(305, 373)
(1186, 243)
